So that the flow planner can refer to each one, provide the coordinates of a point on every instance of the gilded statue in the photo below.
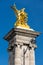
(21, 17)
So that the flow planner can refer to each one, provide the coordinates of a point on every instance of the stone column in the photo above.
(32, 56)
(27, 57)
(11, 58)
(17, 55)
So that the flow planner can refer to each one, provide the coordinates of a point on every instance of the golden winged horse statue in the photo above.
(21, 17)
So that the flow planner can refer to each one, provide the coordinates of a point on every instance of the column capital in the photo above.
(32, 46)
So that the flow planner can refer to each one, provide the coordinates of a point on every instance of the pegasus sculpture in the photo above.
(21, 17)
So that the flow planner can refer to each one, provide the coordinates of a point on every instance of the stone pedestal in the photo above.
(21, 46)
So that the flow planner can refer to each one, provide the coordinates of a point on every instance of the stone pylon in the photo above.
(21, 46)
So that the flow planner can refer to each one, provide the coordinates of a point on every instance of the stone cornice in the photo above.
(18, 31)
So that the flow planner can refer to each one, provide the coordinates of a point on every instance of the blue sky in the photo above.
(34, 8)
